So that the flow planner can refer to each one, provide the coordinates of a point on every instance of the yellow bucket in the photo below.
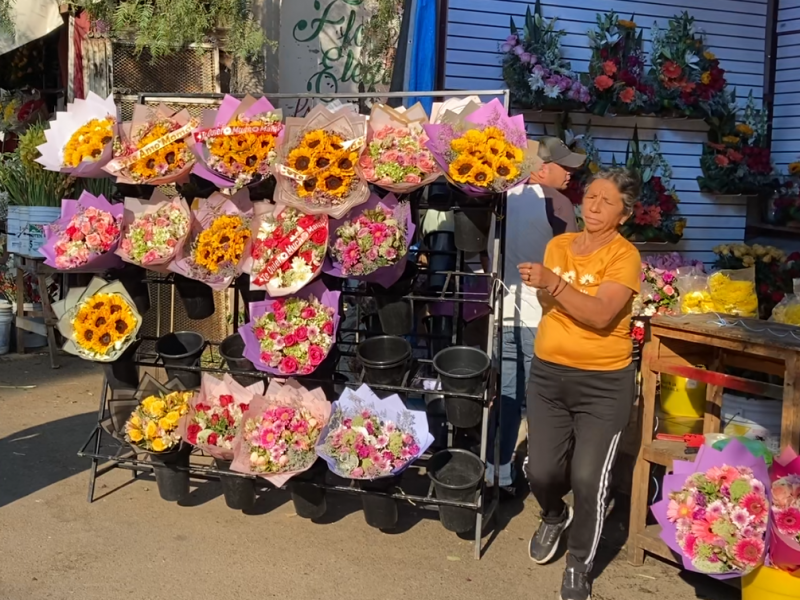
(770, 584)
(681, 397)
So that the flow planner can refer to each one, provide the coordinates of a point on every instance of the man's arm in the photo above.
(560, 212)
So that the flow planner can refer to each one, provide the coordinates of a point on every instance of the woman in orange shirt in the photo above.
(582, 379)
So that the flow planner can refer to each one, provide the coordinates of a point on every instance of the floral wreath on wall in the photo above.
(736, 159)
(688, 79)
(618, 81)
(655, 216)
(534, 69)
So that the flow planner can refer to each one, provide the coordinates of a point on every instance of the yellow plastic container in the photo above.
(770, 584)
(681, 397)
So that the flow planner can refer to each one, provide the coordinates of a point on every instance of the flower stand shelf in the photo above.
(25, 318)
(675, 346)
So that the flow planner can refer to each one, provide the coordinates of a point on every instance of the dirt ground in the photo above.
(131, 544)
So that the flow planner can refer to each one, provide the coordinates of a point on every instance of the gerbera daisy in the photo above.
(749, 551)
(788, 521)
(754, 504)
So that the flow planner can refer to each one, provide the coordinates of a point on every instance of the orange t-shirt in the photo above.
(563, 340)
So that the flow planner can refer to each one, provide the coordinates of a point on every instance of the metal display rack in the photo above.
(107, 451)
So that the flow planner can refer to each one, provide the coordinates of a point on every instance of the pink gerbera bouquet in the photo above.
(784, 550)
(721, 519)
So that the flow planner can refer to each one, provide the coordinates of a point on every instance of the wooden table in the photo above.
(37, 269)
(675, 346)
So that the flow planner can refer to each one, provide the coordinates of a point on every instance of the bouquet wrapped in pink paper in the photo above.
(372, 243)
(292, 336)
(215, 414)
(288, 250)
(784, 547)
(481, 149)
(154, 231)
(715, 511)
(80, 140)
(369, 437)
(85, 237)
(152, 149)
(279, 432)
(235, 145)
(317, 159)
(219, 241)
(396, 157)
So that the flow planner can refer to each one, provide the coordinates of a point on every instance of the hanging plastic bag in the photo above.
(694, 295)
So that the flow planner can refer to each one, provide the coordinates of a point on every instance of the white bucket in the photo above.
(754, 419)
(26, 228)
(31, 339)
(6, 319)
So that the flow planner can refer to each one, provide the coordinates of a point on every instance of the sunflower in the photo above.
(313, 139)
(307, 187)
(346, 163)
(513, 153)
(300, 159)
(495, 147)
(266, 143)
(335, 185)
(219, 146)
(481, 176)
(475, 137)
(323, 160)
(123, 323)
(506, 169)
(494, 133)
(461, 169)
(460, 145)
(334, 142)
(169, 155)
(92, 150)
(144, 168)
(155, 132)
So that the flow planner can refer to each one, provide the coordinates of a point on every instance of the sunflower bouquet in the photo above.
(317, 162)
(482, 150)
(153, 425)
(288, 250)
(219, 241)
(152, 149)
(236, 145)
(80, 140)
(85, 237)
(154, 231)
(99, 321)
(279, 432)
(396, 158)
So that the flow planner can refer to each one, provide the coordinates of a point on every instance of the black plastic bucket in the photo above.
(197, 297)
(379, 511)
(440, 330)
(462, 370)
(456, 476)
(232, 351)
(385, 359)
(249, 296)
(172, 475)
(472, 229)
(444, 242)
(123, 373)
(239, 492)
(437, 420)
(134, 280)
(394, 309)
(308, 499)
(182, 349)
(439, 196)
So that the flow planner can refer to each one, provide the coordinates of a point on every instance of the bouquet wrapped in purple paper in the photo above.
(235, 145)
(292, 336)
(220, 241)
(317, 160)
(85, 237)
(715, 511)
(481, 149)
(279, 431)
(80, 140)
(372, 243)
(368, 437)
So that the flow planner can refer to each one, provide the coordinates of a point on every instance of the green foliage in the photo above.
(380, 34)
(164, 26)
(6, 18)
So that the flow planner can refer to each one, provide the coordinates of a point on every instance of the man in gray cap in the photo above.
(536, 212)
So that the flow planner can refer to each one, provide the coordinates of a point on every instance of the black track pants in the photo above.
(575, 421)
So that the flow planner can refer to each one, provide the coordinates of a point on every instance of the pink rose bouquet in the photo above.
(396, 158)
(279, 432)
(292, 336)
(715, 512)
(85, 236)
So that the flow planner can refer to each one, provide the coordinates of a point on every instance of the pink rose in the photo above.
(425, 164)
(366, 162)
(93, 239)
(289, 340)
(280, 315)
(288, 365)
(382, 133)
(412, 178)
(301, 333)
(266, 358)
(315, 355)
(392, 156)
(369, 174)
(669, 290)
(308, 313)
(327, 328)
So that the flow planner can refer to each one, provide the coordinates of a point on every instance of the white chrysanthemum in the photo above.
(302, 271)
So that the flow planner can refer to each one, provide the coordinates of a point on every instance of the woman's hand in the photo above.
(538, 276)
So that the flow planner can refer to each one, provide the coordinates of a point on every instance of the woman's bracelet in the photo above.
(559, 288)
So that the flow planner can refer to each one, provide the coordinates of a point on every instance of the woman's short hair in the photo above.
(628, 183)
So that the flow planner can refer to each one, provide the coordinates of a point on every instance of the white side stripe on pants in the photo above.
(602, 495)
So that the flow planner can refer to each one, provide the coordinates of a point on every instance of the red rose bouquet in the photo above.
(287, 251)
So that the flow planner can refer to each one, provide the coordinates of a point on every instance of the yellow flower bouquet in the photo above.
(787, 311)
(153, 425)
(99, 321)
(219, 243)
(80, 140)
(317, 159)
(152, 149)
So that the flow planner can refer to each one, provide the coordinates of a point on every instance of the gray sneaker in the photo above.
(544, 543)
